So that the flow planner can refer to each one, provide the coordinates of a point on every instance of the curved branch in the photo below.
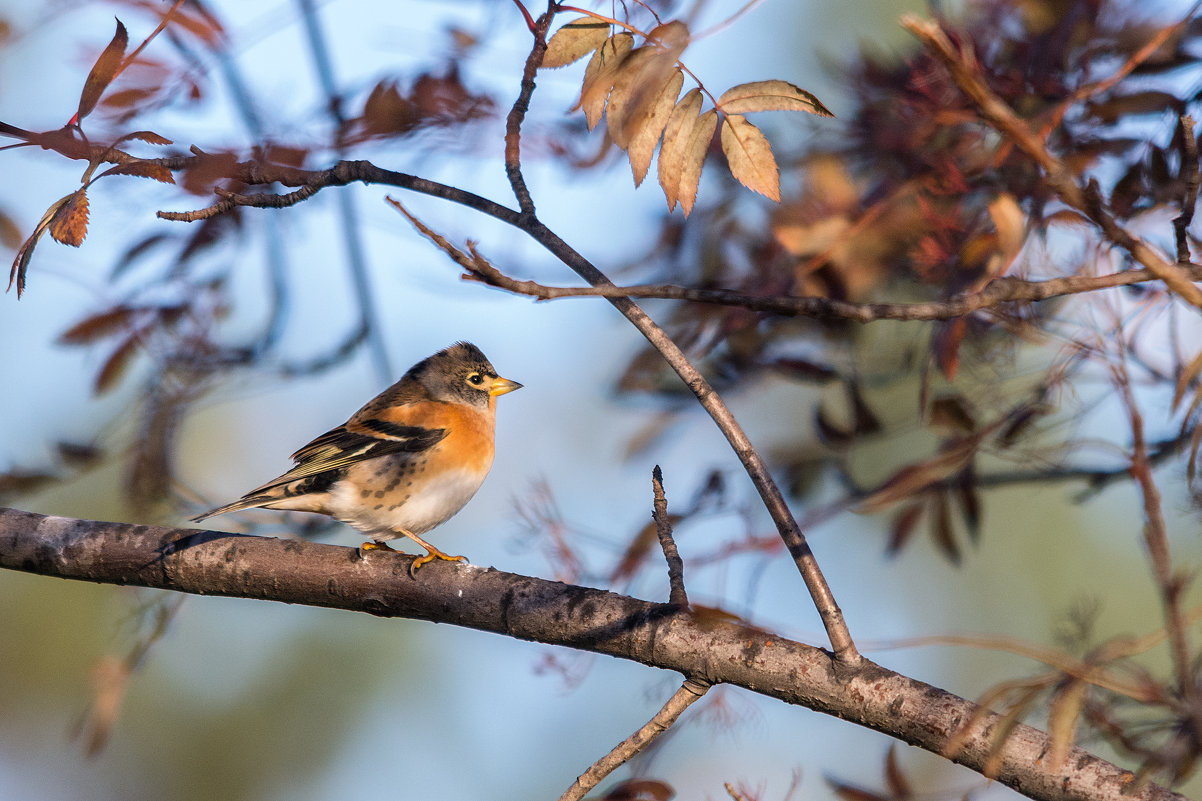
(526, 608)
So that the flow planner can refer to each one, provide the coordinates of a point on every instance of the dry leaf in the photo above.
(913, 478)
(10, 233)
(144, 169)
(574, 41)
(103, 72)
(895, 780)
(770, 96)
(750, 156)
(98, 326)
(1011, 225)
(631, 87)
(694, 159)
(70, 223)
(903, 527)
(599, 75)
(1187, 377)
(25, 252)
(1064, 712)
(150, 137)
(650, 125)
(114, 367)
(676, 135)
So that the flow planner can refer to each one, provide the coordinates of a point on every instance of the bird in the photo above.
(407, 461)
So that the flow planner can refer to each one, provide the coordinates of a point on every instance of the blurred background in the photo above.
(237, 699)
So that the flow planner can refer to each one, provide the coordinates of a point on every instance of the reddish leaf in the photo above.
(1189, 374)
(942, 531)
(10, 234)
(830, 433)
(19, 482)
(116, 364)
(103, 72)
(849, 792)
(970, 501)
(150, 137)
(99, 326)
(70, 223)
(78, 454)
(866, 421)
(640, 790)
(143, 169)
(207, 170)
(903, 528)
(946, 344)
(895, 780)
(952, 412)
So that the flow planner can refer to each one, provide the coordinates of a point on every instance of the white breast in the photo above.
(422, 512)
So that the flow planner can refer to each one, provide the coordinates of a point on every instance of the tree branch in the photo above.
(526, 608)
(999, 291)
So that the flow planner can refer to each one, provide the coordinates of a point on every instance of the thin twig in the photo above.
(1006, 289)
(1189, 175)
(663, 528)
(966, 73)
(689, 692)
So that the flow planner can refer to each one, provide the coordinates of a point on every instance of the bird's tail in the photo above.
(245, 502)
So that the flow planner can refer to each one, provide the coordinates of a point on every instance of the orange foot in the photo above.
(432, 553)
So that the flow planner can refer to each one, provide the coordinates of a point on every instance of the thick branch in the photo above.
(297, 571)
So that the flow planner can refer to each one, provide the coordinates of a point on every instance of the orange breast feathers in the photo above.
(470, 431)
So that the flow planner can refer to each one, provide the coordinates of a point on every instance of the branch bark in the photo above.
(527, 608)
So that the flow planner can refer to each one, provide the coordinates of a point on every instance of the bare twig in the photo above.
(824, 600)
(663, 528)
(998, 292)
(1189, 176)
(966, 73)
(692, 690)
(1156, 538)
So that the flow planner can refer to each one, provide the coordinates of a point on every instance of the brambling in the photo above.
(404, 463)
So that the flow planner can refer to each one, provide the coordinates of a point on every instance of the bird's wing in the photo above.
(358, 439)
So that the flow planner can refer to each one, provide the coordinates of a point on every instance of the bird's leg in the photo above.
(432, 553)
(374, 545)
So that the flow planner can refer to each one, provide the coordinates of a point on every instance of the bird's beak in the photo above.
(500, 386)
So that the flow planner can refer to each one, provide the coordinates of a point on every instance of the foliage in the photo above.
(1007, 192)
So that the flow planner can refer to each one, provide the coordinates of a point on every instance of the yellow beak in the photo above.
(500, 386)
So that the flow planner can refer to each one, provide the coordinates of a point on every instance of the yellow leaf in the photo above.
(574, 41)
(750, 156)
(676, 139)
(636, 90)
(70, 223)
(650, 125)
(600, 73)
(1011, 225)
(629, 86)
(770, 96)
(694, 159)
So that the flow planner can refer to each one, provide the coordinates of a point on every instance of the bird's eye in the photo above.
(475, 379)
